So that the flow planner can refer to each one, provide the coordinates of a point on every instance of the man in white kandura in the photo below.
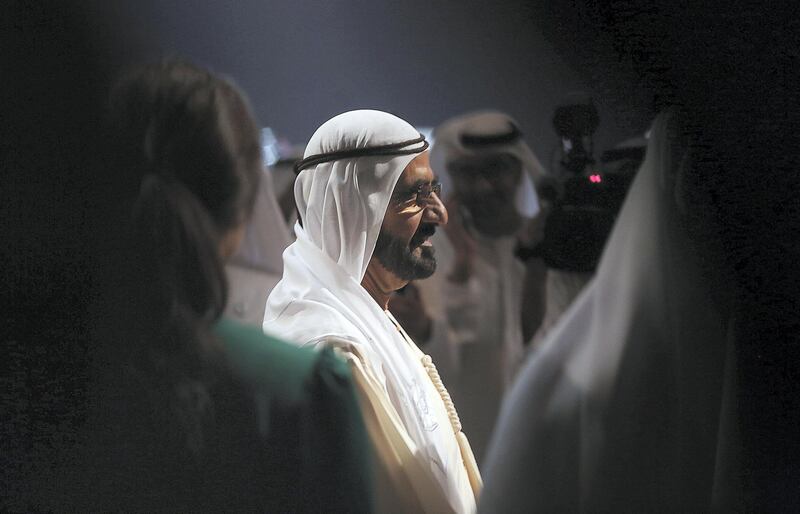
(368, 202)
(483, 294)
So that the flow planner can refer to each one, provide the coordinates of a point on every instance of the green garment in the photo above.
(263, 426)
(313, 435)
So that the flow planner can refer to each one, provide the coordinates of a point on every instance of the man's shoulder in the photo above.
(345, 346)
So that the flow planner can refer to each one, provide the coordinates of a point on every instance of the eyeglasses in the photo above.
(420, 195)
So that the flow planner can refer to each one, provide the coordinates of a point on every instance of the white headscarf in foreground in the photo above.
(320, 298)
(628, 405)
(494, 132)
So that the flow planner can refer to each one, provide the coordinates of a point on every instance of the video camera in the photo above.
(585, 198)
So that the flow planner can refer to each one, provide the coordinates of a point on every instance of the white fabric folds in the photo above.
(320, 300)
(627, 406)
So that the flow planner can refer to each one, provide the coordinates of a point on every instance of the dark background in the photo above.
(303, 62)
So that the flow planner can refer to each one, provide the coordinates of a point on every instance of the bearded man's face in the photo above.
(409, 260)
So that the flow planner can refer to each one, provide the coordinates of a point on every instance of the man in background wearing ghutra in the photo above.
(487, 299)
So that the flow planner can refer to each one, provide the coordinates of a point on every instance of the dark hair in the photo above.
(186, 148)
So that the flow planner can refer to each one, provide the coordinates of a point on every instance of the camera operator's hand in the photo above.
(406, 305)
(463, 243)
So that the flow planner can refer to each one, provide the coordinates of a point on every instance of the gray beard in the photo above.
(396, 256)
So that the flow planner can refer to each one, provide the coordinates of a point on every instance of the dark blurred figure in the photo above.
(628, 405)
(250, 421)
(124, 389)
(734, 74)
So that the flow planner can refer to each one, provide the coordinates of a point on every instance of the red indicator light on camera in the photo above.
(595, 179)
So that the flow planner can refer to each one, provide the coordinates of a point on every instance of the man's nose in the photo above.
(435, 211)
